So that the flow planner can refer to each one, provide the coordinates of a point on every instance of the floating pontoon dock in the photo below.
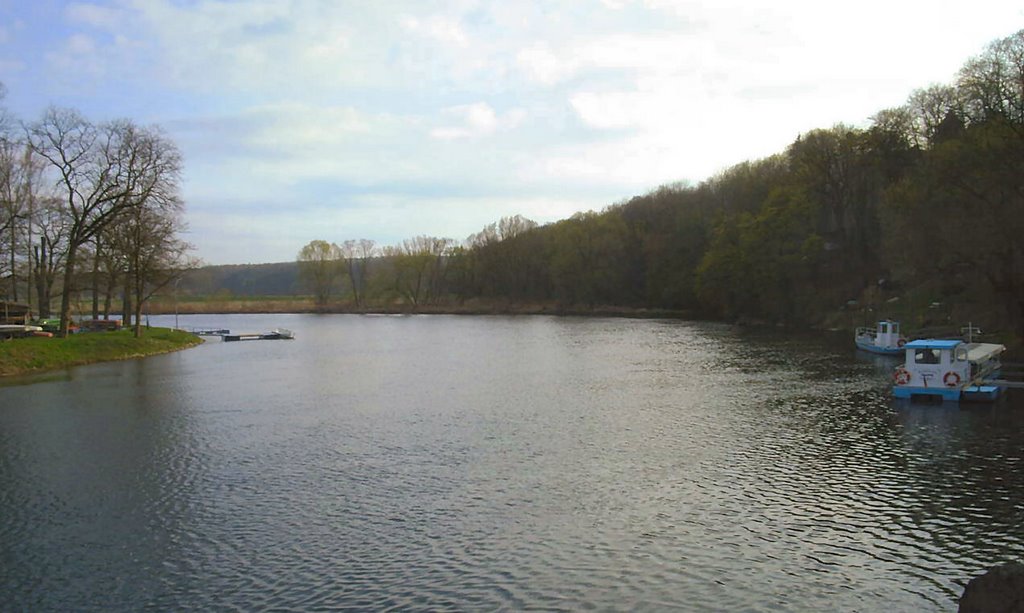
(273, 335)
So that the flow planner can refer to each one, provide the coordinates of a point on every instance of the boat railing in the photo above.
(866, 331)
(969, 331)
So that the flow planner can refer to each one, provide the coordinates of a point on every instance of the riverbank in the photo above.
(840, 321)
(300, 304)
(37, 354)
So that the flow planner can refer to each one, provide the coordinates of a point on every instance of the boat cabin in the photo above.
(885, 338)
(948, 369)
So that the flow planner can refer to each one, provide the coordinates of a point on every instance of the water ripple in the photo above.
(433, 463)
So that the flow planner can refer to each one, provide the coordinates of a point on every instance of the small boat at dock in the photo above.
(884, 339)
(949, 369)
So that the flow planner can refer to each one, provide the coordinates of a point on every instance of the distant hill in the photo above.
(278, 279)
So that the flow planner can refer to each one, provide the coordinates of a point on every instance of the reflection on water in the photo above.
(499, 462)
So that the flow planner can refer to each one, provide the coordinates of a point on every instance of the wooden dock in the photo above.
(242, 337)
(1004, 383)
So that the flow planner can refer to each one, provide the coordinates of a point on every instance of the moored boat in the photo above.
(18, 330)
(948, 369)
(884, 339)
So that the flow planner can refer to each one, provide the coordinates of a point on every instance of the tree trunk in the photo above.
(108, 296)
(42, 271)
(126, 305)
(353, 277)
(65, 293)
(14, 277)
(138, 317)
(96, 282)
(137, 286)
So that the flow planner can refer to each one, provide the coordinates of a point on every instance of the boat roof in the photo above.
(977, 352)
(931, 343)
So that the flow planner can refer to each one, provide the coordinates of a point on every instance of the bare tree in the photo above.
(357, 256)
(933, 106)
(145, 239)
(6, 121)
(511, 227)
(10, 211)
(103, 171)
(992, 84)
(11, 207)
(50, 224)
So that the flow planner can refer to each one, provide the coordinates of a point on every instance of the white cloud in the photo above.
(476, 120)
(416, 117)
(443, 30)
(330, 49)
(304, 126)
(543, 65)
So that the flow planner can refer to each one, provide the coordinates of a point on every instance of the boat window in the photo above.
(884, 327)
(961, 354)
(927, 356)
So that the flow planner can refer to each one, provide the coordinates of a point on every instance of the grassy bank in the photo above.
(27, 355)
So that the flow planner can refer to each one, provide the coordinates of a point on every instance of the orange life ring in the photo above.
(951, 379)
(901, 342)
(901, 376)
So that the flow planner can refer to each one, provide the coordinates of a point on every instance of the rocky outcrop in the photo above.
(1000, 590)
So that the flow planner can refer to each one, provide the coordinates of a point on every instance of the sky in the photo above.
(303, 120)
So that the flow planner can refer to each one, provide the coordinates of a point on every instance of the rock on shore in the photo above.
(999, 590)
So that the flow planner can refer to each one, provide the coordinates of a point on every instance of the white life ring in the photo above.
(901, 376)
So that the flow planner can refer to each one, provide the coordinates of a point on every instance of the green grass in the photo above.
(25, 355)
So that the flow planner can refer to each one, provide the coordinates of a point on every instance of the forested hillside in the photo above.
(278, 279)
(919, 215)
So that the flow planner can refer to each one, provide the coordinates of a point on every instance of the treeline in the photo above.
(246, 280)
(87, 210)
(923, 206)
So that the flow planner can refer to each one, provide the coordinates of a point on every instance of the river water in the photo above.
(499, 463)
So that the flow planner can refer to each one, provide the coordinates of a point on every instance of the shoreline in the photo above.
(302, 306)
(26, 357)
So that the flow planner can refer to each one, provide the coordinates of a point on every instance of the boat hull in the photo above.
(981, 393)
(866, 346)
(969, 393)
(907, 392)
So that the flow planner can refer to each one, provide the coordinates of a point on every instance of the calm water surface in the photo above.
(470, 463)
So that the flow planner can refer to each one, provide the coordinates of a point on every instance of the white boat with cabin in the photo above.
(948, 370)
(883, 339)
